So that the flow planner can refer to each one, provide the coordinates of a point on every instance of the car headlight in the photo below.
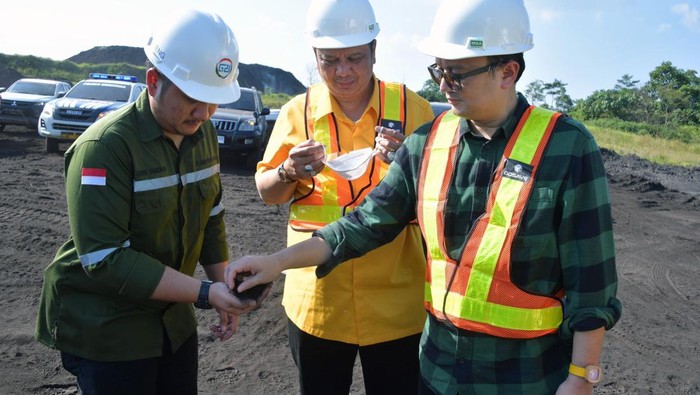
(104, 114)
(37, 108)
(247, 126)
(48, 109)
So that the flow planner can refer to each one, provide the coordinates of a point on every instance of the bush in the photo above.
(275, 100)
(685, 133)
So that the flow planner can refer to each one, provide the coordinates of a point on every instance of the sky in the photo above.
(587, 44)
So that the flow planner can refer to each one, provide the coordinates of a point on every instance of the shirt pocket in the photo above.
(208, 189)
(155, 210)
(155, 201)
(542, 197)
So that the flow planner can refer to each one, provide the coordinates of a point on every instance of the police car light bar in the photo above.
(102, 76)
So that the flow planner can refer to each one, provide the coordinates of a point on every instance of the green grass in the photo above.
(275, 100)
(654, 149)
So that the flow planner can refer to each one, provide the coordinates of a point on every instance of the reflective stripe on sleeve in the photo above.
(97, 256)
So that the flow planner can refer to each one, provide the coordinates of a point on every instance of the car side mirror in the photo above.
(265, 111)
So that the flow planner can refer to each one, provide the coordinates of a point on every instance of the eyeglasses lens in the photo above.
(438, 74)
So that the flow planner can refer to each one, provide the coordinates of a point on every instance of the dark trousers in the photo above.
(170, 374)
(326, 366)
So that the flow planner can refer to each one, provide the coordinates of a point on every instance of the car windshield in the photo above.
(100, 91)
(33, 88)
(246, 102)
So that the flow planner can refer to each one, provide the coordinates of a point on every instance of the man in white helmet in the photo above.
(513, 206)
(371, 306)
(144, 204)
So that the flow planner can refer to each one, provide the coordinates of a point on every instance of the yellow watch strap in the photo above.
(577, 370)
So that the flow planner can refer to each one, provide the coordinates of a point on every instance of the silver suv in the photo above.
(24, 100)
(241, 126)
(63, 120)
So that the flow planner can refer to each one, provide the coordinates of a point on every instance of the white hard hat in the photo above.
(473, 28)
(198, 52)
(334, 24)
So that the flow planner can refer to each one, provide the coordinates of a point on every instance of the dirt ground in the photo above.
(652, 350)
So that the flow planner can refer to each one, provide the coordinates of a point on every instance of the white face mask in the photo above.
(353, 164)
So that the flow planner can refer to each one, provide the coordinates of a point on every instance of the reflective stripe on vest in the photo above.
(331, 196)
(477, 293)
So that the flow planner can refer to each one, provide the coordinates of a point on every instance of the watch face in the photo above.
(593, 374)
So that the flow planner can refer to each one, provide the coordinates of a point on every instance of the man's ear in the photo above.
(152, 81)
(509, 73)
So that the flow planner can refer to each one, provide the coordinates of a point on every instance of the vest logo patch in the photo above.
(517, 171)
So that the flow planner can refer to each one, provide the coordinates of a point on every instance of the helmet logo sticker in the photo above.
(158, 53)
(371, 27)
(224, 67)
(475, 43)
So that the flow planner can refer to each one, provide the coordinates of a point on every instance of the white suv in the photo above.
(24, 100)
(66, 118)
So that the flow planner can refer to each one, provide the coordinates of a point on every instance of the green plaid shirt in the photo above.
(565, 242)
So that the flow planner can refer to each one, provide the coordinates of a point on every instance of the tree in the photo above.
(626, 82)
(534, 92)
(312, 76)
(431, 92)
(609, 103)
(559, 99)
(537, 91)
(675, 94)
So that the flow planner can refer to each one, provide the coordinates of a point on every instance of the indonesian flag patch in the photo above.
(92, 176)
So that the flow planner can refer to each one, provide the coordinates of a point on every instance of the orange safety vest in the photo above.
(477, 293)
(332, 196)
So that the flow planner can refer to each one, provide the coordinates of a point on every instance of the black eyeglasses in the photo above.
(454, 81)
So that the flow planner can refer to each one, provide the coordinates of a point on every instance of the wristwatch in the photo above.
(591, 373)
(283, 175)
(203, 299)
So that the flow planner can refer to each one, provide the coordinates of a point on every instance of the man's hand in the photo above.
(221, 298)
(228, 325)
(388, 141)
(253, 270)
(305, 160)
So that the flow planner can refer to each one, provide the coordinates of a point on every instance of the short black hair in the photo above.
(518, 57)
(165, 80)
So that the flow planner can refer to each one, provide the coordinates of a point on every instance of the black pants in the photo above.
(325, 366)
(170, 374)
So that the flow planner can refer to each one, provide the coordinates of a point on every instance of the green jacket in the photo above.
(135, 204)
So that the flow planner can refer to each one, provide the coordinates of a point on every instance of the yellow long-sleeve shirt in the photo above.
(372, 299)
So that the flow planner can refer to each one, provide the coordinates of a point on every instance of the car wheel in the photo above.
(51, 146)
